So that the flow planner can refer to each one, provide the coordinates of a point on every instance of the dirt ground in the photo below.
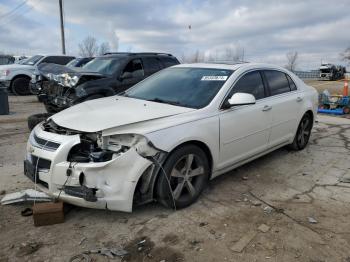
(285, 206)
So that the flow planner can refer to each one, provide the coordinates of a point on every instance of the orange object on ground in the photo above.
(346, 88)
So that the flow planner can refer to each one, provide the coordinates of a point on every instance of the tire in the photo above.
(20, 86)
(33, 120)
(186, 171)
(302, 136)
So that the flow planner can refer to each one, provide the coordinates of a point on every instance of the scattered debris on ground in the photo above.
(312, 220)
(263, 228)
(28, 248)
(243, 242)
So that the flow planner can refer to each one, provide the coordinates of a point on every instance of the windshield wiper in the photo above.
(158, 100)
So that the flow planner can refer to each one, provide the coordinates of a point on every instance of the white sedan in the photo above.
(167, 136)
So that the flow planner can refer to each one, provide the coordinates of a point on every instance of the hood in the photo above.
(16, 67)
(66, 76)
(115, 111)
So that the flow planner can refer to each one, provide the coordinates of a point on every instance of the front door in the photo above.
(244, 130)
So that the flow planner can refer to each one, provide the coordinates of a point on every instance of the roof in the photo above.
(233, 66)
(111, 54)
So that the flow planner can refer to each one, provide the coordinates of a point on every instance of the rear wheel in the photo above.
(20, 86)
(183, 177)
(302, 136)
(346, 110)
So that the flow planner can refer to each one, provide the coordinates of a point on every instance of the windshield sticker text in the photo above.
(214, 78)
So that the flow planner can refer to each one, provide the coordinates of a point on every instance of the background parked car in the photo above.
(16, 77)
(61, 87)
(79, 61)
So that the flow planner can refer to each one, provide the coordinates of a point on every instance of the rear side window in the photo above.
(151, 64)
(168, 61)
(250, 83)
(278, 82)
(292, 85)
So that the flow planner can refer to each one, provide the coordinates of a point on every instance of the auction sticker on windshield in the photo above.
(214, 78)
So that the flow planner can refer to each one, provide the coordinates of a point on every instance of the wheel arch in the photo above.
(151, 195)
(20, 76)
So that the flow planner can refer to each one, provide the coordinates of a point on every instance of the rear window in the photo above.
(278, 82)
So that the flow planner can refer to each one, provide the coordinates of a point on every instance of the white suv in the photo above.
(16, 77)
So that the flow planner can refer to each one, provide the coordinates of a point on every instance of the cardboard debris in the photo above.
(28, 195)
(263, 228)
(243, 242)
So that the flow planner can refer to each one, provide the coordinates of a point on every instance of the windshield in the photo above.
(106, 66)
(325, 70)
(74, 62)
(33, 60)
(188, 87)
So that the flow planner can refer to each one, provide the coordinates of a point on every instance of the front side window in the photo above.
(187, 87)
(250, 83)
(33, 60)
(278, 82)
(103, 65)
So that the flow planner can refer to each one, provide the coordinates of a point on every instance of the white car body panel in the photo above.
(233, 136)
(16, 70)
(113, 111)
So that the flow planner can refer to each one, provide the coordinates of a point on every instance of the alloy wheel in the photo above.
(184, 177)
(304, 132)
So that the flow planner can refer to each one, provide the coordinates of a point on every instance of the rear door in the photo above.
(284, 99)
(244, 130)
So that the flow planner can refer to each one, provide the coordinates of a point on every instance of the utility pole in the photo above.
(62, 29)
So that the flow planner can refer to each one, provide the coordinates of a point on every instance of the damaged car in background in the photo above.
(60, 87)
(167, 136)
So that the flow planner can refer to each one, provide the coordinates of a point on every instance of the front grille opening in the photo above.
(42, 163)
(46, 143)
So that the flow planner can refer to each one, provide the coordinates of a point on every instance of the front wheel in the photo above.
(183, 177)
(302, 136)
(20, 86)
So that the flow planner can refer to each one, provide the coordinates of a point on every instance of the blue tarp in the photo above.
(338, 111)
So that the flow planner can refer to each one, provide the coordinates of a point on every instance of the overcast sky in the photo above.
(317, 29)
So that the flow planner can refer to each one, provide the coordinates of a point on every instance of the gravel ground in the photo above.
(285, 206)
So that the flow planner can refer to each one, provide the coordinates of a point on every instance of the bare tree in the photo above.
(292, 58)
(234, 53)
(346, 55)
(196, 57)
(88, 47)
(104, 48)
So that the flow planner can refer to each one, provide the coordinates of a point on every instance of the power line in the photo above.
(15, 16)
(13, 10)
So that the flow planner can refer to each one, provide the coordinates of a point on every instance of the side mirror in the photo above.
(125, 75)
(240, 99)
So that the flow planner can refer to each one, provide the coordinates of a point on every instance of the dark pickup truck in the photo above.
(60, 87)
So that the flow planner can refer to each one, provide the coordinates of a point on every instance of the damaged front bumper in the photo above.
(110, 184)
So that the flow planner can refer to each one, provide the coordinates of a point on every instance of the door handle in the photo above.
(299, 99)
(267, 108)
